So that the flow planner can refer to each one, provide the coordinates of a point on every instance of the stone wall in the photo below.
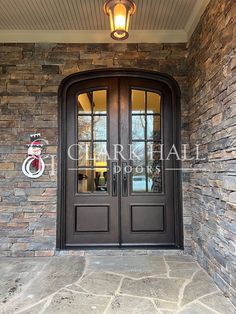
(29, 78)
(212, 118)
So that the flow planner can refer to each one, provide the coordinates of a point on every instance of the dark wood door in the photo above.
(92, 213)
(126, 196)
(147, 184)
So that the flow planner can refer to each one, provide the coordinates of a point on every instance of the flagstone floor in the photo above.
(108, 284)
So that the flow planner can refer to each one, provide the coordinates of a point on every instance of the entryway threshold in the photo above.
(121, 252)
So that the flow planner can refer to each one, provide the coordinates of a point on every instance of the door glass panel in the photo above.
(139, 179)
(84, 154)
(84, 128)
(138, 153)
(92, 180)
(100, 102)
(138, 127)
(100, 153)
(100, 179)
(85, 180)
(154, 177)
(153, 103)
(84, 103)
(92, 142)
(153, 127)
(100, 127)
(138, 101)
(146, 138)
(153, 151)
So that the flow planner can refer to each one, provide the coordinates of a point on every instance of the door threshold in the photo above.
(124, 247)
(126, 251)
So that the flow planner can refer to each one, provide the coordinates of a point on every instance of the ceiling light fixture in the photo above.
(119, 12)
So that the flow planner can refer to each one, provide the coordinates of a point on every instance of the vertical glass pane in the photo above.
(100, 154)
(85, 180)
(84, 154)
(154, 167)
(100, 179)
(138, 101)
(138, 153)
(139, 179)
(100, 102)
(154, 152)
(154, 178)
(153, 103)
(100, 127)
(84, 103)
(92, 180)
(84, 128)
(154, 127)
(138, 127)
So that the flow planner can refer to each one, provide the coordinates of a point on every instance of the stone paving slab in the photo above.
(166, 289)
(133, 266)
(109, 284)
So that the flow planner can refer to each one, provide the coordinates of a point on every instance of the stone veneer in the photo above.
(29, 78)
(212, 124)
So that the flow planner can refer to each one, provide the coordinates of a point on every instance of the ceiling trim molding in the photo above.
(90, 36)
(195, 16)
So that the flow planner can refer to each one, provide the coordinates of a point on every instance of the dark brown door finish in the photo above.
(140, 205)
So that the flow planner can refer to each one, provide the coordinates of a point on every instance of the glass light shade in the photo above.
(119, 12)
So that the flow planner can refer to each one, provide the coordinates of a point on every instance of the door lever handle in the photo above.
(114, 178)
(124, 180)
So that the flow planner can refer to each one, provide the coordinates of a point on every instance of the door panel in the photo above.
(92, 215)
(147, 208)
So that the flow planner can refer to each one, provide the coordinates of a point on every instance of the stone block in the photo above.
(7, 166)
(229, 183)
(50, 69)
(232, 197)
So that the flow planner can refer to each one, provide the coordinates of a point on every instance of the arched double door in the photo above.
(119, 184)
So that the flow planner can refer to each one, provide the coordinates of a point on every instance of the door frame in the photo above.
(74, 78)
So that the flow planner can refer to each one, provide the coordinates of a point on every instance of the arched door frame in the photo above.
(66, 83)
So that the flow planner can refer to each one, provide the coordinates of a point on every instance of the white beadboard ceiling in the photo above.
(84, 20)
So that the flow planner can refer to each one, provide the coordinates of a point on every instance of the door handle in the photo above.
(114, 178)
(124, 180)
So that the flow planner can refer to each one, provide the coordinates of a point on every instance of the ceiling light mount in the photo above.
(119, 12)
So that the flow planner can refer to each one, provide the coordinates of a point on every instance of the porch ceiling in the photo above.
(84, 21)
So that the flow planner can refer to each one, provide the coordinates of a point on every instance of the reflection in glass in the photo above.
(153, 103)
(100, 101)
(92, 127)
(153, 127)
(100, 156)
(155, 177)
(100, 127)
(138, 127)
(154, 151)
(138, 153)
(84, 127)
(139, 179)
(100, 179)
(84, 103)
(138, 101)
(92, 180)
(85, 180)
(84, 154)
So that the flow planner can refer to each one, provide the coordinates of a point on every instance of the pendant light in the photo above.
(119, 12)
